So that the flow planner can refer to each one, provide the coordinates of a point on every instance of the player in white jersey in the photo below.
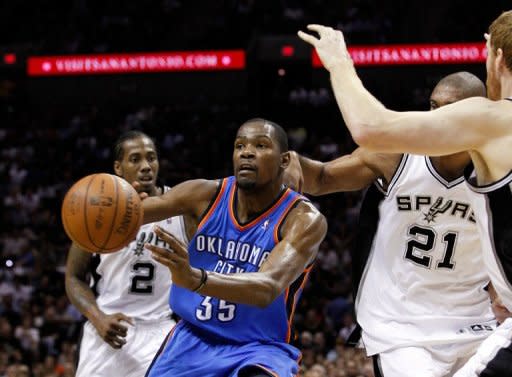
(481, 126)
(126, 303)
(418, 276)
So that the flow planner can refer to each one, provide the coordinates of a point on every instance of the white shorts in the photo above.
(494, 356)
(98, 359)
(425, 361)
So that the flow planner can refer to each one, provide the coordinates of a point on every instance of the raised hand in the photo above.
(330, 45)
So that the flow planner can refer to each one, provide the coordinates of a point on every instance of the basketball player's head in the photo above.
(136, 160)
(499, 53)
(260, 154)
(456, 87)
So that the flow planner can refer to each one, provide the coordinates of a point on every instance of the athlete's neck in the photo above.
(452, 166)
(250, 203)
(155, 191)
(506, 86)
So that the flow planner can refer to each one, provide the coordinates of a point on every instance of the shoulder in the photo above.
(307, 218)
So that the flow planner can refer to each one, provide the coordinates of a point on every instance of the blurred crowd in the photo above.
(78, 26)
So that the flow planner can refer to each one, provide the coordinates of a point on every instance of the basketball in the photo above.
(101, 213)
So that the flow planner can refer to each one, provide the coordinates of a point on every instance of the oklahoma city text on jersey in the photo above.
(232, 250)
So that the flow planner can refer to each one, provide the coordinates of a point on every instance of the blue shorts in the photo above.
(188, 352)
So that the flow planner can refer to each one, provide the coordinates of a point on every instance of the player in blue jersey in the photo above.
(237, 286)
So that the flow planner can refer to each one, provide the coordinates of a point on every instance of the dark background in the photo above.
(56, 130)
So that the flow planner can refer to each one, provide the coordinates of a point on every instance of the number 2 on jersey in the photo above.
(423, 242)
(225, 311)
(142, 280)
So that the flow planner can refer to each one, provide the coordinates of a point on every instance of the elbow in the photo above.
(363, 135)
(267, 294)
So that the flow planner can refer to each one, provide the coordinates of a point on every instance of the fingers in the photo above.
(164, 256)
(124, 317)
(308, 38)
(115, 341)
(176, 245)
(318, 28)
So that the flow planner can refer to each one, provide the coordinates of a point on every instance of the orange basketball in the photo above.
(101, 213)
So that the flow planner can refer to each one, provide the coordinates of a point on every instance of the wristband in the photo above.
(204, 278)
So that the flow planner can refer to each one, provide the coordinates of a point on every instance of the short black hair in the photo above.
(468, 84)
(280, 133)
(118, 151)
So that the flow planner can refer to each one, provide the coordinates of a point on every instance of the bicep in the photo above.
(450, 129)
(78, 263)
(347, 173)
(304, 230)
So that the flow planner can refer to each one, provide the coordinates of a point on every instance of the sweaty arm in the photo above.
(190, 198)
(109, 327)
(347, 173)
(303, 230)
(462, 126)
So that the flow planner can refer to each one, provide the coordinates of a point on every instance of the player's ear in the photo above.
(285, 160)
(500, 60)
(118, 168)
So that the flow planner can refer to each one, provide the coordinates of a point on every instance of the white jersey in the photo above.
(423, 282)
(130, 281)
(493, 203)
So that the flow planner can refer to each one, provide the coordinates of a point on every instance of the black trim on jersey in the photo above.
(212, 201)
(499, 366)
(448, 184)
(280, 225)
(354, 336)
(499, 202)
(473, 185)
(367, 229)
(77, 352)
(95, 276)
(396, 175)
(290, 301)
(258, 214)
(377, 370)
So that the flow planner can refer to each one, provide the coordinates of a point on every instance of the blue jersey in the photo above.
(221, 244)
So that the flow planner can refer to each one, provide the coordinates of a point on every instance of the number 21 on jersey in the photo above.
(422, 242)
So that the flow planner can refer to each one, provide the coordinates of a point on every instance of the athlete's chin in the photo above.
(148, 188)
(246, 184)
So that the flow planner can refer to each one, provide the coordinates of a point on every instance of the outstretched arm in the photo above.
(109, 327)
(457, 127)
(188, 198)
(303, 231)
(347, 173)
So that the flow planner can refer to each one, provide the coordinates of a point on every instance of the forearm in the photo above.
(361, 110)
(82, 297)
(312, 172)
(256, 289)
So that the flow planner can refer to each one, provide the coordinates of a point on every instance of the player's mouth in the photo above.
(146, 179)
(246, 168)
